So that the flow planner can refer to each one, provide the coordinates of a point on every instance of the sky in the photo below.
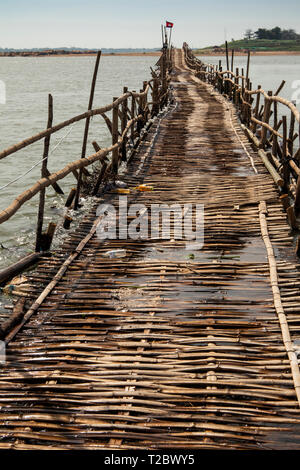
(132, 23)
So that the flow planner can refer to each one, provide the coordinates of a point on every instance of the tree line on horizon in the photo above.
(274, 33)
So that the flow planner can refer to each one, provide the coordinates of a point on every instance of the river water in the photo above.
(29, 80)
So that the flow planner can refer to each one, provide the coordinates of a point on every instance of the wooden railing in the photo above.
(276, 141)
(132, 115)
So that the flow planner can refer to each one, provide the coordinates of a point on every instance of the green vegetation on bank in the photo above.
(263, 39)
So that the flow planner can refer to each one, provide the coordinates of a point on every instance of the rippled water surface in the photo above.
(29, 80)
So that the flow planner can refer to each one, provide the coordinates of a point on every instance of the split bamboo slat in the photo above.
(166, 347)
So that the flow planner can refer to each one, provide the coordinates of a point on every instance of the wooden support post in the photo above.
(115, 138)
(164, 71)
(256, 110)
(248, 65)
(86, 129)
(70, 198)
(227, 57)
(132, 111)
(41, 210)
(297, 197)
(123, 125)
(145, 103)
(284, 198)
(266, 117)
(279, 88)
(275, 141)
(291, 133)
(155, 98)
(102, 171)
(67, 222)
(18, 267)
(286, 166)
(291, 218)
(248, 100)
(47, 237)
(232, 58)
(298, 247)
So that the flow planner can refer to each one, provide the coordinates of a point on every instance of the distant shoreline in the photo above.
(253, 53)
(139, 54)
(77, 54)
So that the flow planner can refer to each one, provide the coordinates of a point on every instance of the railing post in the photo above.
(266, 117)
(256, 110)
(164, 71)
(124, 124)
(155, 99)
(285, 161)
(86, 129)
(291, 132)
(132, 116)
(41, 210)
(275, 125)
(115, 137)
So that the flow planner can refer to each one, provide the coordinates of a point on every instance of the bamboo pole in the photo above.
(288, 343)
(41, 209)
(286, 167)
(232, 58)
(227, 57)
(19, 266)
(54, 281)
(248, 65)
(124, 107)
(115, 136)
(297, 197)
(266, 117)
(45, 182)
(86, 128)
(102, 171)
(133, 111)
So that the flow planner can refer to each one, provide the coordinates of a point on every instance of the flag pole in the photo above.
(170, 35)
(170, 56)
(166, 35)
(162, 35)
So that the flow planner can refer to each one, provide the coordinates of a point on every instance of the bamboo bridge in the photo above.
(156, 350)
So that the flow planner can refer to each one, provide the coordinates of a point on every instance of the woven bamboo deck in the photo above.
(157, 350)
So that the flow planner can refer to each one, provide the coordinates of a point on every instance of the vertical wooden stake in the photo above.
(256, 110)
(232, 57)
(248, 65)
(297, 197)
(155, 98)
(275, 140)
(132, 116)
(266, 117)
(86, 129)
(286, 166)
(227, 58)
(291, 133)
(115, 137)
(124, 124)
(39, 230)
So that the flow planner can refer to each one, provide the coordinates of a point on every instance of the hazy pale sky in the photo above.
(132, 23)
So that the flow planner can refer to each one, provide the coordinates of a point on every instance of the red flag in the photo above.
(169, 24)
